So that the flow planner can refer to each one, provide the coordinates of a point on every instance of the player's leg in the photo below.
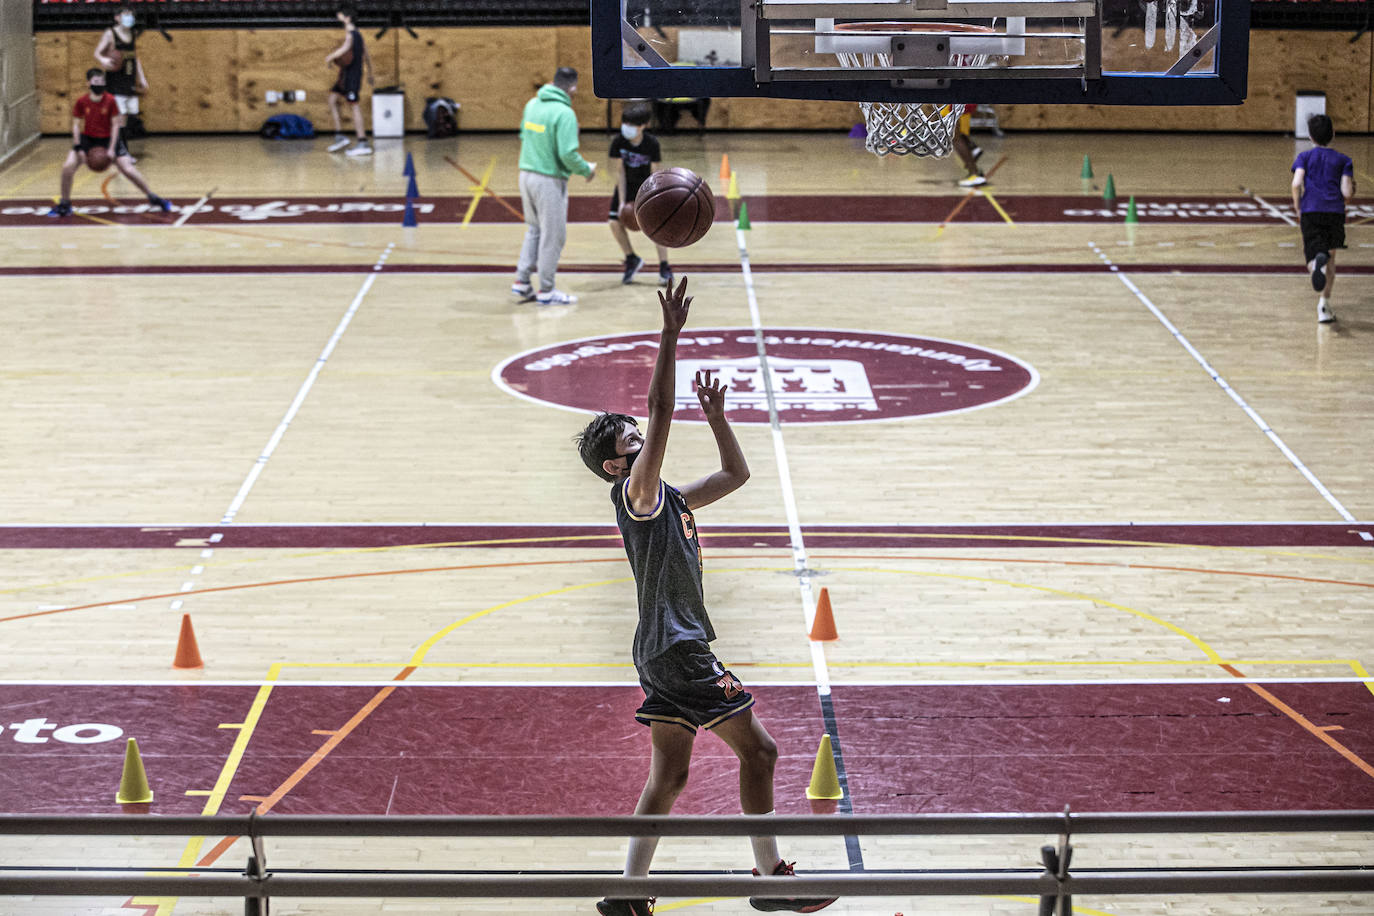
(665, 272)
(964, 150)
(553, 233)
(758, 755)
(340, 138)
(361, 148)
(125, 163)
(529, 249)
(74, 161)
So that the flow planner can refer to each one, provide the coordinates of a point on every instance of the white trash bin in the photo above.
(1308, 104)
(388, 113)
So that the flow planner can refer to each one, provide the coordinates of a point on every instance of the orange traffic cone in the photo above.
(725, 167)
(188, 653)
(823, 624)
(133, 782)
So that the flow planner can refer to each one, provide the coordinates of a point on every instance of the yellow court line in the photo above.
(216, 795)
(996, 206)
(479, 190)
(1360, 671)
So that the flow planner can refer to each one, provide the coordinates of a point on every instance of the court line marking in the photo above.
(480, 188)
(1273, 210)
(1226, 387)
(275, 439)
(473, 178)
(987, 195)
(194, 208)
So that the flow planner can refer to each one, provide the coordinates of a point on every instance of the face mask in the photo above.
(96, 90)
(630, 458)
(629, 131)
(126, 20)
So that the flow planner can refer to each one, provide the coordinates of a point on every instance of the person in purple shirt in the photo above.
(1323, 180)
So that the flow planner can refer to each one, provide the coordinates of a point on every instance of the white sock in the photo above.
(766, 856)
(1321, 300)
(640, 855)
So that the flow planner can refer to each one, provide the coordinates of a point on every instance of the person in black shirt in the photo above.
(350, 57)
(636, 154)
(117, 53)
(685, 685)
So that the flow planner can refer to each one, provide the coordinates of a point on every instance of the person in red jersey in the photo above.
(96, 122)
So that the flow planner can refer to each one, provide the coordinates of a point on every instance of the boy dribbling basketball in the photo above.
(1323, 180)
(685, 685)
(636, 154)
(96, 122)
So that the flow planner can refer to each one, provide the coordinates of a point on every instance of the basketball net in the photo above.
(909, 128)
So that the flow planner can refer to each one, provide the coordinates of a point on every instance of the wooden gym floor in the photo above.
(1091, 500)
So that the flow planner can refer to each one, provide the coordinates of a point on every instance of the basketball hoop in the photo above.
(910, 128)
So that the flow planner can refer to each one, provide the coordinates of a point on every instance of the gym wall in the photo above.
(216, 80)
(18, 95)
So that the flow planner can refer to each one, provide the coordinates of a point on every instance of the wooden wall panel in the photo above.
(216, 80)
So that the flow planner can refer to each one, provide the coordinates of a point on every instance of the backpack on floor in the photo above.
(441, 117)
(287, 127)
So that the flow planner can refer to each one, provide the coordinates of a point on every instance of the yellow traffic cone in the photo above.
(825, 782)
(133, 782)
(733, 192)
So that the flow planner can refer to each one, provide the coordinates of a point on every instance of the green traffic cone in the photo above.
(1130, 211)
(1109, 192)
(743, 216)
(1087, 167)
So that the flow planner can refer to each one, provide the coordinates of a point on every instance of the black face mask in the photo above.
(630, 458)
(97, 90)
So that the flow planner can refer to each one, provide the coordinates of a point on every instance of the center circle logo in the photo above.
(819, 375)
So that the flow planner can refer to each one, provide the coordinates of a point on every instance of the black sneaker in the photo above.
(1319, 270)
(789, 904)
(62, 208)
(609, 907)
(665, 274)
(161, 203)
(633, 263)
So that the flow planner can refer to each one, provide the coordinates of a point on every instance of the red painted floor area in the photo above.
(576, 750)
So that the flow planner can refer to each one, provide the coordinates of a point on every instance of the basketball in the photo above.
(98, 158)
(116, 59)
(627, 216)
(675, 207)
(344, 59)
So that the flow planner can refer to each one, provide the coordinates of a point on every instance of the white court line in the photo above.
(1273, 210)
(789, 499)
(195, 208)
(1218, 681)
(1226, 387)
(306, 385)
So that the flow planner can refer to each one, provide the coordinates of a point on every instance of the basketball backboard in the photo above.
(1104, 52)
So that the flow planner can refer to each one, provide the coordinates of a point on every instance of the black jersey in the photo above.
(124, 80)
(638, 159)
(665, 556)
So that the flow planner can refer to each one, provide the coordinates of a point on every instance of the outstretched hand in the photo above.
(711, 394)
(675, 306)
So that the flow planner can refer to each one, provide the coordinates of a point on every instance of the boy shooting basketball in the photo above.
(636, 154)
(685, 686)
(96, 122)
(1323, 180)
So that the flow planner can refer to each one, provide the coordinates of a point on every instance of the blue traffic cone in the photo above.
(412, 191)
(410, 166)
(409, 220)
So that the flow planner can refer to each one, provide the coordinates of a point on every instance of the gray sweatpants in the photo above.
(545, 199)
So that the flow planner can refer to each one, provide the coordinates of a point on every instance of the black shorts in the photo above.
(349, 83)
(630, 192)
(1322, 232)
(688, 686)
(88, 142)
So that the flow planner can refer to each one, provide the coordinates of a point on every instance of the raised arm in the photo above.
(734, 470)
(642, 489)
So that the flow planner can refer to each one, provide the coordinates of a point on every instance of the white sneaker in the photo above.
(362, 149)
(973, 181)
(523, 290)
(1324, 313)
(555, 297)
(338, 144)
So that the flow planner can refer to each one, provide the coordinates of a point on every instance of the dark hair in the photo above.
(597, 442)
(95, 71)
(1320, 128)
(348, 10)
(637, 113)
(565, 78)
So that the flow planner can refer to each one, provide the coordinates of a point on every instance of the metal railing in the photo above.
(1054, 885)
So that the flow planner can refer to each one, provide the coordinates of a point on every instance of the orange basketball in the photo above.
(116, 59)
(675, 207)
(98, 158)
(627, 217)
(344, 59)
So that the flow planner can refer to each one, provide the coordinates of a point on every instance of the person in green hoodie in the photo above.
(548, 155)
